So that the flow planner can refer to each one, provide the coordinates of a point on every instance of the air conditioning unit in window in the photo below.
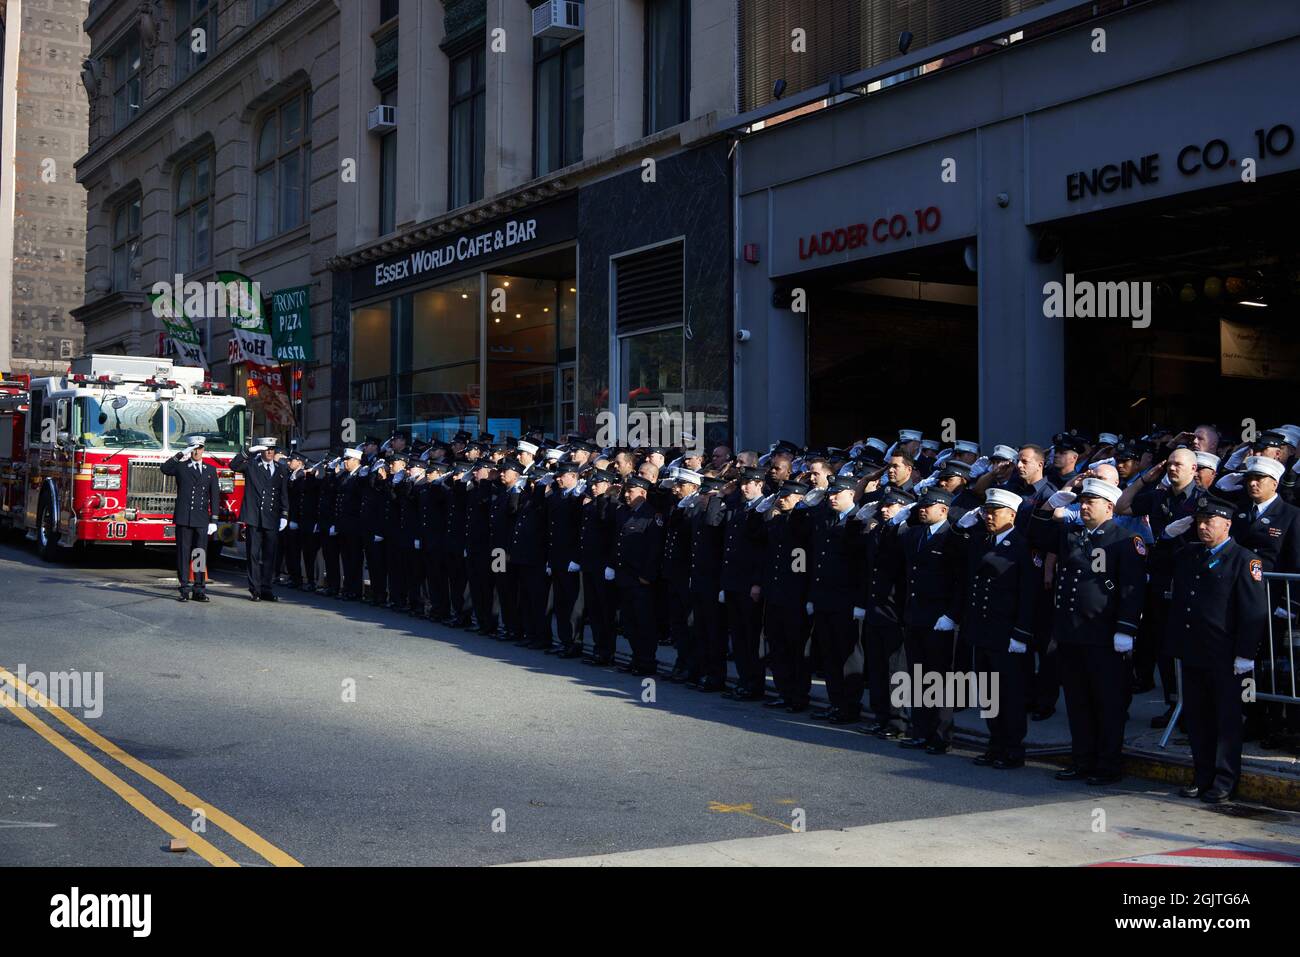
(558, 19)
(382, 119)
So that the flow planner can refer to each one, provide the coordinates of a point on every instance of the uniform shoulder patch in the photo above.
(1139, 546)
(1257, 569)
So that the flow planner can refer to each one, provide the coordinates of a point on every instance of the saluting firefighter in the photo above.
(265, 513)
(1218, 618)
(637, 554)
(196, 502)
(1100, 584)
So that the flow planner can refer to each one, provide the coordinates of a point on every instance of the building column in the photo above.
(613, 73)
(1021, 352)
(508, 139)
(424, 103)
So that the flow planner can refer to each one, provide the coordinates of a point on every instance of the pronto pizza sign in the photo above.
(881, 231)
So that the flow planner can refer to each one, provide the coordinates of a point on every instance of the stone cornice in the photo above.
(107, 305)
(241, 50)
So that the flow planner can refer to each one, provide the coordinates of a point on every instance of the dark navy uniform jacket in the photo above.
(740, 560)
(677, 542)
(1002, 587)
(197, 495)
(1100, 580)
(1162, 506)
(595, 537)
(1218, 611)
(327, 508)
(528, 537)
(265, 501)
(1274, 536)
(706, 547)
(935, 574)
(836, 553)
(782, 540)
(563, 527)
(638, 543)
(349, 500)
(502, 512)
(885, 583)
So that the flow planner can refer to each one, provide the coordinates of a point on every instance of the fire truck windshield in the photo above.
(137, 423)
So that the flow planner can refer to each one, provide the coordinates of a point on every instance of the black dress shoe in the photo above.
(1008, 764)
(184, 596)
(254, 596)
(1042, 714)
(776, 703)
(573, 651)
(889, 732)
(936, 747)
(794, 707)
(985, 759)
(1100, 780)
(1215, 796)
(201, 596)
(677, 676)
(308, 587)
(269, 596)
(539, 645)
(599, 661)
(824, 714)
(844, 717)
(330, 592)
(639, 671)
(1190, 791)
(709, 685)
(1072, 773)
(744, 694)
(913, 744)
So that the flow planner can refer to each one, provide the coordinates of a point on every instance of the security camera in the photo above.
(743, 335)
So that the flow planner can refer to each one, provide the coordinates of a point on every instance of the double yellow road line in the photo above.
(200, 845)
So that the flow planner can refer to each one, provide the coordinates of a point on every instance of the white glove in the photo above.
(609, 574)
(417, 544)
(765, 503)
(942, 457)
(190, 450)
(1063, 497)
(1017, 647)
(1232, 482)
(901, 515)
(293, 526)
(398, 476)
(1241, 666)
(315, 528)
(1177, 527)
(284, 523)
(969, 519)
(808, 608)
(859, 613)
(212, 528)
(980, 466)
(1123, 643)
(546, 479)
(926, 482)
(1283, 614)
(548, 571)
(379, 538)
(722, 597)
(574, 567)
(944, 624)
(257, 448)
(334, 530)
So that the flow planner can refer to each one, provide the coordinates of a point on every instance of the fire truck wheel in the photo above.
(47, 534)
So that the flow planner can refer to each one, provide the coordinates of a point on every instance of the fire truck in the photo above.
(81, 454)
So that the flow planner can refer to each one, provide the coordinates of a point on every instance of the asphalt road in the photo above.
(243, 706)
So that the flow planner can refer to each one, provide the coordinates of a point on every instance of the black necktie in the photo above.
(1254, 514)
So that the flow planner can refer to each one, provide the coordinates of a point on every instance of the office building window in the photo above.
(387, 10)
(667, 64)
(468, 107)
(283, 167)
(126, 240)
(192, 235)
(388, 172)
(557, 104)
(196, 34)
(126, 81)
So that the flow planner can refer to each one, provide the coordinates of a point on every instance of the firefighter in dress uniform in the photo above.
(265, 513)
(196, 503)
(1218, 617)
(637, 554)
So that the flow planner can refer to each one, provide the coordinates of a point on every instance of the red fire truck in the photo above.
(81, 454)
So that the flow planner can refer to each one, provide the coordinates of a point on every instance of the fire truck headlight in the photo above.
(226, 480)
(104, 480)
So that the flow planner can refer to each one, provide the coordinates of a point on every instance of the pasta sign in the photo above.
(291, 324)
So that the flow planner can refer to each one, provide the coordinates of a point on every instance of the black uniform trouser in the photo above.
(744, 626)
(332, 546)
(309, 547)
(787, 628)
(599, 599)
(1045, 682)
(1212, 711)
(482, 585)
(189, 538)
(435, 580)
(353, 550)
(1007, 728)
(291, 542)
(376, 552)
(534, 592)
(933, 651)
(841, 647)
(397, 559)
(679, 626)
(567, 585)
(506, 584)
(663, 623)
(1095, 678)
(881, 642)
(457, 578)
(636, 602)
(1148, 646)
(710, 634)
(263, 547)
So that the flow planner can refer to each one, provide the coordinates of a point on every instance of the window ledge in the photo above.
(291, 238)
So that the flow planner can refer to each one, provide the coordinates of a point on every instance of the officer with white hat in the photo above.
(197, 501)
(265, 513)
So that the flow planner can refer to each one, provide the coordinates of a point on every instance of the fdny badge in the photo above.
(1257, 570)
(1139, 546)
